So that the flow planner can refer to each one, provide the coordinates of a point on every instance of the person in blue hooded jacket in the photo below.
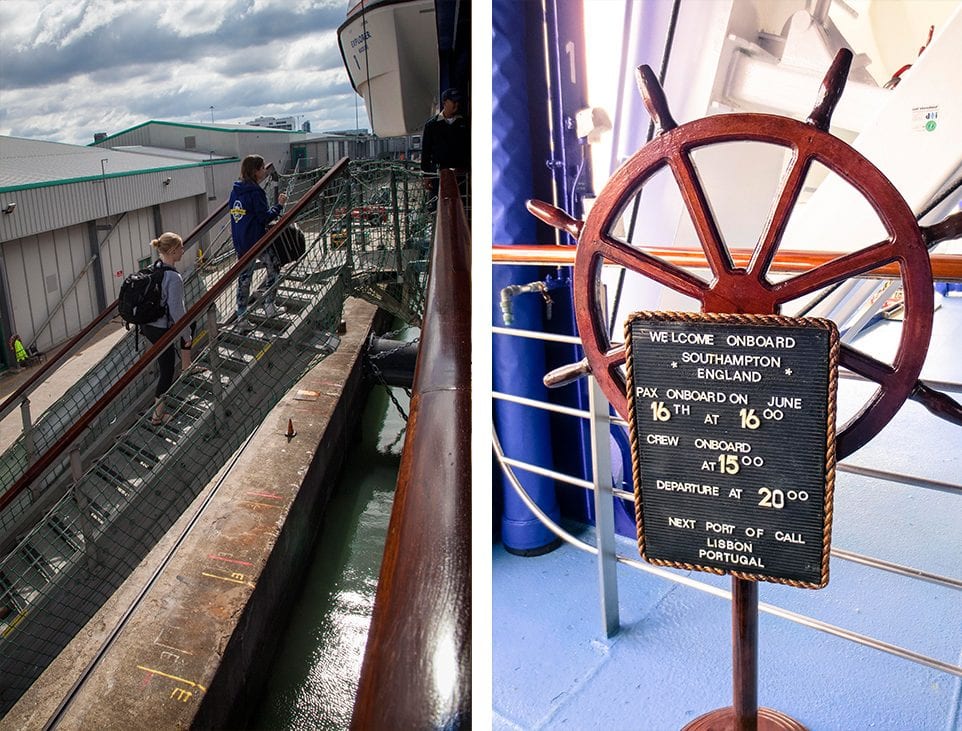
(249, 217)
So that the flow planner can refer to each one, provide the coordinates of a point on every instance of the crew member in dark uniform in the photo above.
(446, 143)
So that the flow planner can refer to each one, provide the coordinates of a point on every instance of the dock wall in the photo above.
(196, 646)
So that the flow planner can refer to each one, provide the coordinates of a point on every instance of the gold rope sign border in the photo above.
(830, 415)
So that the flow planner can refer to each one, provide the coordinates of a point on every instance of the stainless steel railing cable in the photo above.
(678, 578)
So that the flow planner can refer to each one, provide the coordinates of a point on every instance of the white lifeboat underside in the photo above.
(390, 50)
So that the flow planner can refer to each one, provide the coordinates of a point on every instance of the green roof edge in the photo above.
(190, 125)
(51, 183)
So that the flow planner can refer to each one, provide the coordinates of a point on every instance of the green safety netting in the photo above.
(69, 539)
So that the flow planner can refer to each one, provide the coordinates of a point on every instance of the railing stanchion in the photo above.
(83, 505)
(604, 507)
(407, 208)
(397, 228)
(349, 226)
(28, 442)
(214, 357)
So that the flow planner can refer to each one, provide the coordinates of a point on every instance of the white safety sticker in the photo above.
(925, 119)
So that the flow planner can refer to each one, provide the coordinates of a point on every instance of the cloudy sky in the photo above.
(70, 68)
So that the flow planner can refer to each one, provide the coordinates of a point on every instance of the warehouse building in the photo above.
(76, 220)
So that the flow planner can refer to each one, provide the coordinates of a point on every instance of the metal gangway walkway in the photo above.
(91, 485)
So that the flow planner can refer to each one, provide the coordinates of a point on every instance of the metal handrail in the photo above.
(60, 447)
(945, 267)
(421, 626)
(80, 339)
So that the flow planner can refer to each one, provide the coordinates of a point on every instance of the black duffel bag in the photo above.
(290, 245)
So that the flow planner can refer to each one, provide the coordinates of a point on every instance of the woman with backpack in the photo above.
(170, 248)
(249, 218)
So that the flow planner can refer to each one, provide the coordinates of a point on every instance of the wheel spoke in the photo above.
(844, 267)
(615, 357)
(719, 260)
(785, 202)
(865, 365)
(660, 270)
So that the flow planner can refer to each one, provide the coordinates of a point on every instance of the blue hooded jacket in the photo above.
(249, 214)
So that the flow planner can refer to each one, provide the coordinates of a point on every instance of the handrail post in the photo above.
(407, 208)
(396, 227)
(349, 226)
(604, 507)
(214, 357)
(28, 442)
(83, 505)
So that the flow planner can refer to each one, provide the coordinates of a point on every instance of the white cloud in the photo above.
(188, 18)
(84, 66)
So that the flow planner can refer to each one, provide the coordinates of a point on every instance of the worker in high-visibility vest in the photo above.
(18, 350)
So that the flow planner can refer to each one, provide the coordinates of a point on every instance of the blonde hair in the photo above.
(167, 242)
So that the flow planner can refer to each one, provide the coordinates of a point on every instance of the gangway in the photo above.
(105, 484)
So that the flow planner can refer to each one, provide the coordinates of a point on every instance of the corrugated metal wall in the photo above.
(124, 247)
(39, 269)
(58, 206)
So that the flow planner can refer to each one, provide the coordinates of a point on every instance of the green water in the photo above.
(314, 677)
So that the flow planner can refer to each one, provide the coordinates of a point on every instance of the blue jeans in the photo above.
(244, 282)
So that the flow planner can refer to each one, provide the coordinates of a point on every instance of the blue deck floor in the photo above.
(671, 660)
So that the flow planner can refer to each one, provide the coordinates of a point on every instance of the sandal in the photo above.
(161, 420)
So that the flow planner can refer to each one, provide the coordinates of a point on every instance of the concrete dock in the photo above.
(187, 639)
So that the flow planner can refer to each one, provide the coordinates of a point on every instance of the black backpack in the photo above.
(141, 295)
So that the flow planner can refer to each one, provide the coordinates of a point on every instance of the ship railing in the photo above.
(416, 671)
(947, 269)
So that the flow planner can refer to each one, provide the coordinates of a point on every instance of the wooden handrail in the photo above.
(417, 665)
(193, 313)
(945, 267)
(72, 345)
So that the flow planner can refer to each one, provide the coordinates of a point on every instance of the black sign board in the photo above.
(733, 442)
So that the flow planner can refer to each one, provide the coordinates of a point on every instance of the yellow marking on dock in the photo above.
(228, 578)
(172, 677)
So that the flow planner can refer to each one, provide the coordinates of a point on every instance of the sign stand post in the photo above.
(733, 451)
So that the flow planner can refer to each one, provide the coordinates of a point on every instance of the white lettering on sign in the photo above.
(684, 394)
(663, 439)
(723, 445)
(726, 528)
(785, 402)
(735, 558)
(760, 341)
(682, 523)
(789, 537)
(730, 545)
(723, 374)
(742, 360)
(695, 488)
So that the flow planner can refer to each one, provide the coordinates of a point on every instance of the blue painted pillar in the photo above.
(519, 364)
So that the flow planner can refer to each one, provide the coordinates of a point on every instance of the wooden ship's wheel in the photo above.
(748, 289)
